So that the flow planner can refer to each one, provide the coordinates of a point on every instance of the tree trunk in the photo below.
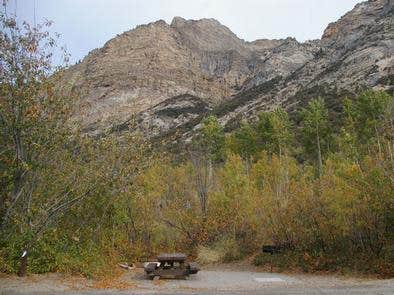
(319, 157)
(23, 264)
(378, 139)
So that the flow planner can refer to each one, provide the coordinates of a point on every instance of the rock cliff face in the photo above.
(354, 53)
(169, 76)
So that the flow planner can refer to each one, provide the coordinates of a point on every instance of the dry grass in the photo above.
(158, 282)
(113, 284)
(224, 250)
(207, 255)
(113, 280)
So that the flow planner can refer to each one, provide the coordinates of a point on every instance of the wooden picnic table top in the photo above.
(171, 257)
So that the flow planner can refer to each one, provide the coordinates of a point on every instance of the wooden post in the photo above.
(23, 266)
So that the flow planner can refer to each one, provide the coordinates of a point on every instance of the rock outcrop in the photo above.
(169, 76)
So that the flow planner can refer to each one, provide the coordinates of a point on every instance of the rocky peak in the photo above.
(178, 22)
(208, 35)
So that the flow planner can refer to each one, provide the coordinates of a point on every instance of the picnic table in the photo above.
(171, 266)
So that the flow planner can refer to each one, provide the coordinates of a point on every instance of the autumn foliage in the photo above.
(316, 184)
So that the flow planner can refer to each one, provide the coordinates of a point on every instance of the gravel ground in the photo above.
(205, 282)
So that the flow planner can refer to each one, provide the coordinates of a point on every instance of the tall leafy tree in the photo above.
(212, 139)
(365, 115)
(274, 131)
(37, 150)
(244, 141)
(315, 130)
(208, 148)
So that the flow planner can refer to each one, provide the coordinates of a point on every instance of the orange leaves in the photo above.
(33, 112)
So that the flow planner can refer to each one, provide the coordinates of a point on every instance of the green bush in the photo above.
(229, 249)
(53, 253)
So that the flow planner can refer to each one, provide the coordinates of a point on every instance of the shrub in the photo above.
(206, 255)
(228, 249)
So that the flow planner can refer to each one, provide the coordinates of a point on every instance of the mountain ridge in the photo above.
(168, 76)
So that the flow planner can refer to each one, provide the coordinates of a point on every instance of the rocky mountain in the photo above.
(167, 77)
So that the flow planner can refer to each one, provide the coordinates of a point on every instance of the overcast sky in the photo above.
(88, 24)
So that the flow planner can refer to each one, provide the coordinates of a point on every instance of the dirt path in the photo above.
(213, 281)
